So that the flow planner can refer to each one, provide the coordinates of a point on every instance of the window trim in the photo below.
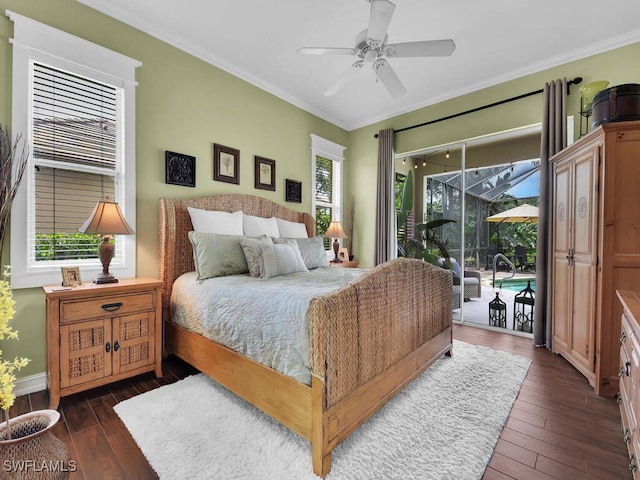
(36, 42)
(321, 147)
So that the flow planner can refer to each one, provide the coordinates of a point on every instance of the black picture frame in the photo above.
(226, 164)
(265, 173)
(180, 169)
(293, 191)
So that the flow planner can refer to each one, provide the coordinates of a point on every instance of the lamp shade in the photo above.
(335, 230)
(106, 218)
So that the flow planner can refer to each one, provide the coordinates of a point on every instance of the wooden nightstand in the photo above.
(348, 264)
(97, 334)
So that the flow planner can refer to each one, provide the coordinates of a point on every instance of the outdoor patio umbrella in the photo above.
(524, 213)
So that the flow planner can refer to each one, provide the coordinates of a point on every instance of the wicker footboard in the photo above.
(369, 339)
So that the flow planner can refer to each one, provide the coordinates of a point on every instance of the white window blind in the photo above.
(74, 119)
(75, 124)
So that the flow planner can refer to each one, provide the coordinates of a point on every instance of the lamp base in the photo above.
(102, 278)
(106, 249)
(336, 247)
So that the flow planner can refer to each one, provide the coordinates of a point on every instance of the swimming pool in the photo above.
(516, 284)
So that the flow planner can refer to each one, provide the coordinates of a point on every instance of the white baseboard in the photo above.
(30, 384)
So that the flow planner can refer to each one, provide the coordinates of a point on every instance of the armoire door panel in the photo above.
(584, 206)
(561, 210)
(582, 331)
(561, 327)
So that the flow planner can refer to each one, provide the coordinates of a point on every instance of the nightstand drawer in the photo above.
(76, 310)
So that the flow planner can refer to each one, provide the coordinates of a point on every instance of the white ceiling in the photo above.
(496, 41)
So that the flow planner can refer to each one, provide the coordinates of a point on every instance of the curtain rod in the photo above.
(575, 81)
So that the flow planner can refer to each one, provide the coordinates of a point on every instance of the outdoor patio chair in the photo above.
(492, 252)
(472, 282)
(521, 259)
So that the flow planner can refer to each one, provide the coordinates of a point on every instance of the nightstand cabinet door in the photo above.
(133, 341)
(83, 352)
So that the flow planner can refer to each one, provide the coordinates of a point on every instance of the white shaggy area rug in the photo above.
(444, 426)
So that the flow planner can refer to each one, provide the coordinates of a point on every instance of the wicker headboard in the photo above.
(175, 252)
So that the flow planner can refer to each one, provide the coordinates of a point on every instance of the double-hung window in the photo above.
(327, 164)
(74, 105)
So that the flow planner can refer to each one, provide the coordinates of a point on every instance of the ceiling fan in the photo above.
(372, 47)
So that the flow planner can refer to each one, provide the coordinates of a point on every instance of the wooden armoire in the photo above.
(596, 247)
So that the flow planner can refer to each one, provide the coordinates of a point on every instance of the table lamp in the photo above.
(106, 219)
(335, 231)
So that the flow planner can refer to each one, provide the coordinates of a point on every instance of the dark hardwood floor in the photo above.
(558, 428)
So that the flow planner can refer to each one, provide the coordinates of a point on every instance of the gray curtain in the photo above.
(385, 241)
(554, 139)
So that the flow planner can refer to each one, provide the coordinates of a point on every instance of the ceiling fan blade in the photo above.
(427, 48)
(328, 51)
(389, 78)
(344, 78)
(379, 19)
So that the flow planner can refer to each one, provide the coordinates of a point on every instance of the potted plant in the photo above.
(8, 190)
(26, 441)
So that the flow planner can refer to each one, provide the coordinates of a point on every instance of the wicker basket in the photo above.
(33, 452)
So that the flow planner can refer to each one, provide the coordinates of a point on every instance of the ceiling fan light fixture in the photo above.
(371, 46)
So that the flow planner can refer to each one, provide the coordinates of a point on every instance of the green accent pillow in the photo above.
(216, 255)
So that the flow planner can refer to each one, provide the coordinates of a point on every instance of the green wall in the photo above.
(617, 66)
(184, 105)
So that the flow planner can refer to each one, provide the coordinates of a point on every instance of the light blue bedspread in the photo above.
(264, 320)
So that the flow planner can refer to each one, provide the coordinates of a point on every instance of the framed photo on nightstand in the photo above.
(70, 276)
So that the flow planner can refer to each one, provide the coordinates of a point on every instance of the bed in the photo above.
(367, 339)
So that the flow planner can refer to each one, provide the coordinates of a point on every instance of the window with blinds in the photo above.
(76, 124)
(327, 194)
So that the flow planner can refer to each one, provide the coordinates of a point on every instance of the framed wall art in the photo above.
(265, 173)
(226, 164)
(179, 169)
(293, 191)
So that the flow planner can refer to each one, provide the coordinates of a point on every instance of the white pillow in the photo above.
(210, 221)
(289, 229)
(256, 226)
(312, 250)
(280, 259)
